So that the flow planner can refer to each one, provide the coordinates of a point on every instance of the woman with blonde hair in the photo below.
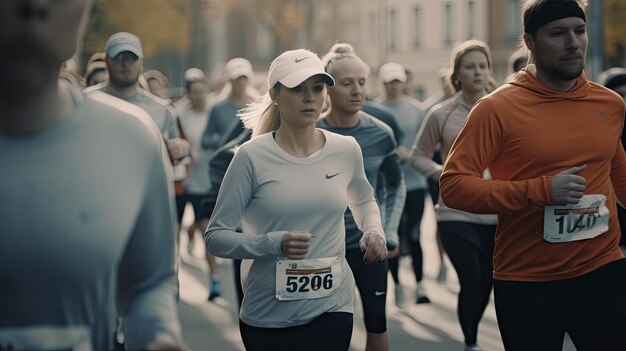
(466, 237)
(384, 172)
(280, 209)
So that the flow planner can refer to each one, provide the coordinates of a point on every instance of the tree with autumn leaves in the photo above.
(162, 25)
(615, 32)
(174, 27)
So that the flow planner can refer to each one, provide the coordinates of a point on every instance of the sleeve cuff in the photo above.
(275, 240)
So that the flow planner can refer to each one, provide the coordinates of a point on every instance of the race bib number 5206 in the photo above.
(307, 279)
(584, 220)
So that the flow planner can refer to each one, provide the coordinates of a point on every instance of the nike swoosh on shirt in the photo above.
(379, 293)
(602, 113)
(332, 176)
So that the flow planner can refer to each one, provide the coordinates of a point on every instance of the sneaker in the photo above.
(399, 296)
(443, 274)
(474, 347)
(421, 295)
(216, 288)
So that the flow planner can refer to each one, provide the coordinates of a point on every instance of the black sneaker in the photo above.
(422, 299)
(421, 295)
(213, 295)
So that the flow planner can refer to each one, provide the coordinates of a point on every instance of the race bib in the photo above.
(584, 220)
(307, 279)
(42, 338)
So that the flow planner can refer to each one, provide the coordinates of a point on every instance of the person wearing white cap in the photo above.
(409, 116)
(223, 114)
(124, 60)
(86, 227)
(287, 189)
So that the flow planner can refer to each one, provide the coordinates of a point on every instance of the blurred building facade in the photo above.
(418, 34)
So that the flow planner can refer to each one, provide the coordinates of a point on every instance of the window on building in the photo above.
(392, 33)
(514, 20)
(417, 27)
(471, 19)
(447, 23)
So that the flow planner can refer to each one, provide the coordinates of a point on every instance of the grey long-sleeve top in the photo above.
(86, 225)
(383, 171)
(441, 126)
(268, 192)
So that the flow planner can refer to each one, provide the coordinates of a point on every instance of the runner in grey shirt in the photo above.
(86, 227)
(124, 59)
(259, 190)
(156, 107)
(288, 189)
(384, 172)
(409, 117)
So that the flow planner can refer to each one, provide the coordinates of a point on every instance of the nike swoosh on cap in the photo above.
(302, 59)
(332, 176)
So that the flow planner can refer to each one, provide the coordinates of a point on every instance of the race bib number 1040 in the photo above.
(584, 220)
(307, 279)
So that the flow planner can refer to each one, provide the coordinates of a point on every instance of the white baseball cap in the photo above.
(194, 75)
(392, 71)
(294, 67)
(123, 41)
(238, 67)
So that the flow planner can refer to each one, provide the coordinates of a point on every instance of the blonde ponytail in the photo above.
(261, 116)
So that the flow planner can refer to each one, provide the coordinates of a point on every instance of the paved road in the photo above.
(432, 327)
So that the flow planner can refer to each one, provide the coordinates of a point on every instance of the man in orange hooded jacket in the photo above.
(551, 140)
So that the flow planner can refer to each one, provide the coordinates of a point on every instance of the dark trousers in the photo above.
(590, 308)
(470, 249)
(371, 280)
(409, 232)
(328, 332)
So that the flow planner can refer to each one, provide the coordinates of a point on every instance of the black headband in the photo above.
(551, 10)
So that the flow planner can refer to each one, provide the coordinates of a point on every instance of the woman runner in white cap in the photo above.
(288, 188)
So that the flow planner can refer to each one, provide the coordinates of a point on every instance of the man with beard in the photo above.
(80, 241)
(124, 60)
(551, 139)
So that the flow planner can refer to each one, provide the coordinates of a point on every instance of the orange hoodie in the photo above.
(525, 133)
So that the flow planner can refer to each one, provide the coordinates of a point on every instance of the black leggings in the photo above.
(590, 308)
(410, 229)
(433, 185)
(470, 249)
(328, 332)
(371, 280)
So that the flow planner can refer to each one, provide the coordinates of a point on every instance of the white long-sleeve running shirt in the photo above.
(269, 192)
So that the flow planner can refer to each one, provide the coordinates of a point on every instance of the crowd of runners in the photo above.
(313, 187)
